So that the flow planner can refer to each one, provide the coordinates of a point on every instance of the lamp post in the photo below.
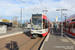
(65, 15)
(21, 17)
(61, 21)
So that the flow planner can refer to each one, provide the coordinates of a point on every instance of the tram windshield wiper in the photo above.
(38, 26)
(36, 23)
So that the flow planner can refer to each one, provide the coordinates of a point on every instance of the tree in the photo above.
(14, 20)
(5, 20)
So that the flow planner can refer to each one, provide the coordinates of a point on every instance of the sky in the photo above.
(11, 8)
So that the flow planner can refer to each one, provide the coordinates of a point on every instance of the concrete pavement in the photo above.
(13, 32)
(55, 42)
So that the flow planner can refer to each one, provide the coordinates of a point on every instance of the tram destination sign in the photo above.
(36, 15)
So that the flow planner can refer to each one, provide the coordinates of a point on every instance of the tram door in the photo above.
(73, 28)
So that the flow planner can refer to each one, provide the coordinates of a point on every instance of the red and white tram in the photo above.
(69, 25)
(40, 25)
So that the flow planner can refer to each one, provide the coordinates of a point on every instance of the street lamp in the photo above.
(61, 21)
(21, 17)
(65, 15)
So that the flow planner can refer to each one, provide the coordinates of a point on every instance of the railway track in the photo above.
(30, 44)
(8, 42)
(20, 42)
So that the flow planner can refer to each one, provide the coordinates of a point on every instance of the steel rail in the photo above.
(35, 44)
(22, 44)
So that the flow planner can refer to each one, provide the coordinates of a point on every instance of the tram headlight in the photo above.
(31, 31)
(40, 31)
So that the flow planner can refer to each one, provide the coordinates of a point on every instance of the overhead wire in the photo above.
(34, 6)
(45, 4)
(41, 3)
(71, 8)
(23, 2)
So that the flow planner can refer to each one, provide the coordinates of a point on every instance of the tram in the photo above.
(69, 25)
(40, 25)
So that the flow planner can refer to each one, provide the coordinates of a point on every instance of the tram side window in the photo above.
(49, 25)
(67, 25)
(30, 20)
(73, 26)
(64, 25)
(70, 25)
(45, 24)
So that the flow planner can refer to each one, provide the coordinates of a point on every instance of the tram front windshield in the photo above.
(36, 22)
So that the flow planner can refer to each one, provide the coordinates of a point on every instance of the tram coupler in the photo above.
(34, 36)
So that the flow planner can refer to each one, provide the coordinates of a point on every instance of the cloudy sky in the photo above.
(11, 8)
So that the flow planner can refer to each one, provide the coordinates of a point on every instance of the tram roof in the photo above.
(44, 16)
(70, 18)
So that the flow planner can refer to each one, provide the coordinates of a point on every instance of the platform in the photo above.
(13, 32)
(56, 42)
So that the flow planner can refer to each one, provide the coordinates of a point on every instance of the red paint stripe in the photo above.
(44, 34)
(44, 17)
(70, 33)
(64, 30)
(72, 22)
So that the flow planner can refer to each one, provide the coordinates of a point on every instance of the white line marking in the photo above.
(45, 41)
(13, 34)
(47, 37)
(42, 45)
(70, 39)
(65, 40)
